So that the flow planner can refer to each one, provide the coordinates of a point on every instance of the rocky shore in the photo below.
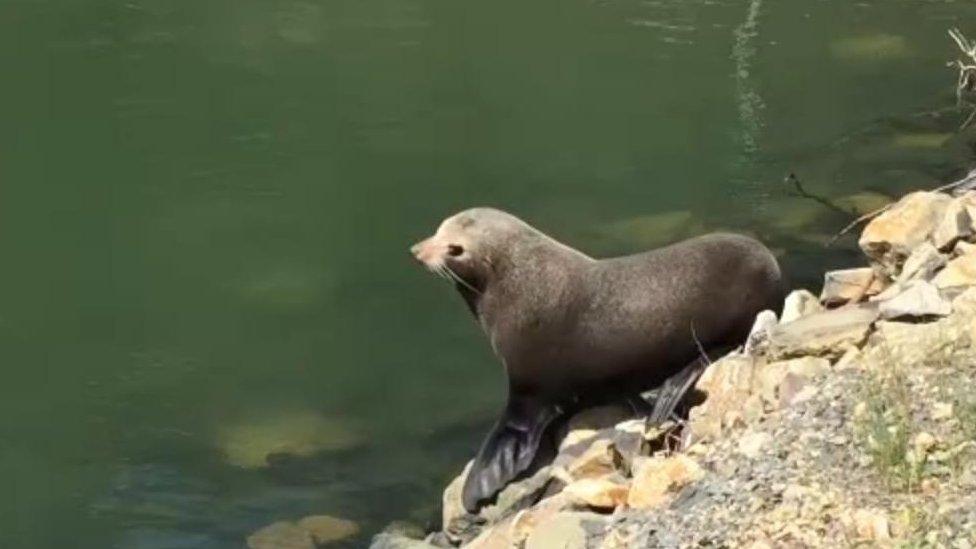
(847, 418)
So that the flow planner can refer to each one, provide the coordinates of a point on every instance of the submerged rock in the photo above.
(326, 529)
(281, 535)
(308, 533)
(302, 434)
(871, 47)
(653, 230)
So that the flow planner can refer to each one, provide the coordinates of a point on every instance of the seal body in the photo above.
(571, 329)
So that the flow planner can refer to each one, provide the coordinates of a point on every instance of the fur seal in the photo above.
(571, 329)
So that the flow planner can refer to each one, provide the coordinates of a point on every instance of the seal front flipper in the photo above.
(509, 450)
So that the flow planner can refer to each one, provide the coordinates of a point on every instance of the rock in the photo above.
(764, 322)
(597, 460)
(956, 225)
(500, 536)
(301, 433)
(326, 529)
(828, 333)
(870, 47)
(961, 271)
(565, 530)
(863, 202)
(780, 382)
(889, 238)
(871, 524)
(941, 411)
(518, 495)
(281, 535)
(909, 343)
(799, 304)
(922, 264)
(657, 479)
(393, 540)
(586, 423)
(919, 299)
(923, 442)
(849, 285)
(598, 493)
(458, 525)
(653, 230)
(962, 248)
(728, 384)
(751, 445)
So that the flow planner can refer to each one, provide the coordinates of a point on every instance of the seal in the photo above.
(573, 331)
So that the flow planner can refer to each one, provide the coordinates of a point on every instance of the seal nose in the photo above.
(418, 251)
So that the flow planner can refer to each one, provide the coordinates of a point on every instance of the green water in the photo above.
(205, 209)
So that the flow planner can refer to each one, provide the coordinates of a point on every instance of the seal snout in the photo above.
(425, 251)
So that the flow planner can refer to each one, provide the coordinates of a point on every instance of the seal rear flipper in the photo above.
(674, 389)
(509, 450)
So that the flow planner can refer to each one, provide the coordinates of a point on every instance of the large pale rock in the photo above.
(799, 304)
(961, 271)
(914, 344)
(779, 382)
(922, 264)
(598, 493)
(849, 285)
(919, 299)
(566, 530)
(728, 384)
(956, 225)
(828, 333)
(891, 237)
(596, 460)
(657, 479)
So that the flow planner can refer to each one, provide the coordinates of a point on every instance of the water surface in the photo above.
(206, 207)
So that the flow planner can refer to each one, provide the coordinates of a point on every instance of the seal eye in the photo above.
(454, 250)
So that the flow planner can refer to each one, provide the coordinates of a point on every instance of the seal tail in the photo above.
(509, 451)
(673, 391)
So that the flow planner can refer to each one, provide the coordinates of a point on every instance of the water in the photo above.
(206, 208)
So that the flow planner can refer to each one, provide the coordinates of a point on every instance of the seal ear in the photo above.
(509, 450)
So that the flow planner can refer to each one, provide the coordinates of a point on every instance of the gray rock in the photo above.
(922, 264)
(563, 531)
(392, 540)
(955, 225)
(828, 333)
(765, 321)
(919, 299)
(849, 284)
(799, 304)
(889, 238)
